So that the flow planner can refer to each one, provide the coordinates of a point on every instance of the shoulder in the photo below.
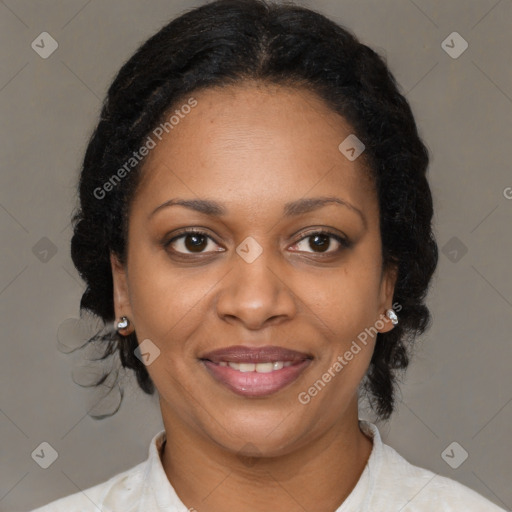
(417, 489)
(121, 492)
(124, 491)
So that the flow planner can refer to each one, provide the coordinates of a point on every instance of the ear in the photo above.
(121, 297)
(387, 289)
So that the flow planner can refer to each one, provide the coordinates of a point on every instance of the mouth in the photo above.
(269, 367)
(255, 372)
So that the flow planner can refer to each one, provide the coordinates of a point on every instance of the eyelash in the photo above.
(344, 242)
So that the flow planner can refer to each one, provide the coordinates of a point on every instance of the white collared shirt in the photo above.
(389, 483)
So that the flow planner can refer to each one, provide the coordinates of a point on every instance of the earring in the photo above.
(123, 323)
(390, 313)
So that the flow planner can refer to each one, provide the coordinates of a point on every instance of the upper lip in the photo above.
(245, 354)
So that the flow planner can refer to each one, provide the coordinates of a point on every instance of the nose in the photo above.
(256, 294)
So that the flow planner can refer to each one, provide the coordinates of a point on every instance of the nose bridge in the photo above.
(254, 292)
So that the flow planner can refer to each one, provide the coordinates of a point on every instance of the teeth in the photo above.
(259, 367)
(246, 367)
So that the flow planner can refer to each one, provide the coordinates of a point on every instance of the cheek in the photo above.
(345, 300)
(345, 313)
(166, 300)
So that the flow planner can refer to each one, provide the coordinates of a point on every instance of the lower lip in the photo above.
(254, 383)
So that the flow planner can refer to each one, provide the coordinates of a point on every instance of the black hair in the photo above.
(227, 42)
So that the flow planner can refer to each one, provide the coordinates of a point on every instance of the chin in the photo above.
(250, 433)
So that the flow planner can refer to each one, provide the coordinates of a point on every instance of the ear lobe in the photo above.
(386, 299)
(120, 288)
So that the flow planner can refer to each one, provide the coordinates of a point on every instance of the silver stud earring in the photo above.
(390, 313)
(123, 323)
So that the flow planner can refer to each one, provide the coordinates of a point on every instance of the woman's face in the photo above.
(258, 276)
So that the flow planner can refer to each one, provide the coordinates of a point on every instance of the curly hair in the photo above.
(227, 42)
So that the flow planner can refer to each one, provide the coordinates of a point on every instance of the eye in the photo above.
(192, 241)
(321, 241)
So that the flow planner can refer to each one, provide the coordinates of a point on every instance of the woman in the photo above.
(255, 217)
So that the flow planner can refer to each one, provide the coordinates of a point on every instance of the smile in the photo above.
(255, 379)
(259, 367)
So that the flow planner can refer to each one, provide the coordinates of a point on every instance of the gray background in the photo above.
(458, 387)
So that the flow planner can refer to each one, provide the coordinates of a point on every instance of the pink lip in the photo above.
(254, 384)
(246, 354)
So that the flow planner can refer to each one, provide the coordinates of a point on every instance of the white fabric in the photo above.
(388, 484)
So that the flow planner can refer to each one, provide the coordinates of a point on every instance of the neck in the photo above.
(317, 477)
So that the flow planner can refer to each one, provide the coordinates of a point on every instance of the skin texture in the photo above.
(253, 148)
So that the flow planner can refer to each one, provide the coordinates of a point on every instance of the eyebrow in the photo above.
(291, 209)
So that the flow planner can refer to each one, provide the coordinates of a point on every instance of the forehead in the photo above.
(254, 141)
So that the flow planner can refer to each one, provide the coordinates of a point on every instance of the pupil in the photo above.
(320, 241)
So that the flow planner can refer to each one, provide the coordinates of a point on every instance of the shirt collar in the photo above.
(158, 494)
(360, 497)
